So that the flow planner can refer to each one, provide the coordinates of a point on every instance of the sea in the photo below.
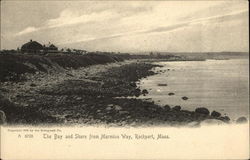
(220, 85)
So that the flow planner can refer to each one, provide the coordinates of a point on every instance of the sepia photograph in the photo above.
(128, 67)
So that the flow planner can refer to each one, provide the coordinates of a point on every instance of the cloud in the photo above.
(27, 30)
(220, 18)
(112, 23)
(132, 16)
(69, 18)
(168, 28)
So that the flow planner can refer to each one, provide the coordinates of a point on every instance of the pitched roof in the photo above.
(52, 46)
(34, 45)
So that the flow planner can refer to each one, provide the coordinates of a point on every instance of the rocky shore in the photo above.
(94, 95)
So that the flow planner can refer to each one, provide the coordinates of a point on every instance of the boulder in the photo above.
(113, 107)
(2, 117)
(32, 100)
(123, 123)
(26, 105)
(224, 119)
(109, 108)
(123, 112)
(137, 92)
(78, 98)
(133, 124)
(202, 110)
(241, 120)
(133, 84)
(193, 124)
(215, 114)
(144, 92)
(184, 98)
(171, 94)
(162, 84)
(68, 116)
(176, 108)
(32, 85)
(117, 108)
(167, 108)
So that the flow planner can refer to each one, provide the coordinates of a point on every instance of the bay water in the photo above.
(220, 85)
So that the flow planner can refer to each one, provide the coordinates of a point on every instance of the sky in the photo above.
(128, 26)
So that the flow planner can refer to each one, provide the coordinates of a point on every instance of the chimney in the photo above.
(30, 40)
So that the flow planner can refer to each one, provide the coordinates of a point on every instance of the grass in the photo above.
(13, 66)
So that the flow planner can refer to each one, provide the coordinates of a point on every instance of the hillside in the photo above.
(14, 67)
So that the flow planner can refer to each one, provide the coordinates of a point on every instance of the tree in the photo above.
(68, 50)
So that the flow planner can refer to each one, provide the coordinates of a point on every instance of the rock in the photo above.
(215, 114)
(32, 100)
(123, 112)
(123, 123)
(144, 91)
(193, 124)
(2, 117)
(26, 105)
(69, 116)
(176, 108)
(202, 110)
(184, 98)
(16, 103)
(133, 124)
(224, 119)
(78, 98)
(170, 94)
(68, 74)
(137, 92)
(117, 108)
(167, 108)
(109, 108)
(212, 122)
(128, 117)
(162, 84)
(241, 120)
(32, 85)
(133, 84)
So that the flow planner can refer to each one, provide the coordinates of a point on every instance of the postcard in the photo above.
(124, 80)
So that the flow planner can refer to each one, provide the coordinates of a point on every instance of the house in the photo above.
(32, 47)
(50, 48)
